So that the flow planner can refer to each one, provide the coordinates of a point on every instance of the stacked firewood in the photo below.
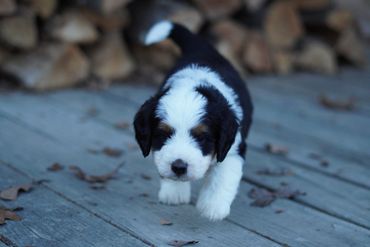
(48, 44)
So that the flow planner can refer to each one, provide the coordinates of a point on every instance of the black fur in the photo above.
(220, 119)
(145, 123)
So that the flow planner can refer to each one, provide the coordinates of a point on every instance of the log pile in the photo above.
(49, 44)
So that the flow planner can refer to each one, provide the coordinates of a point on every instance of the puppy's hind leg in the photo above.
(220, 188)
(174, 192)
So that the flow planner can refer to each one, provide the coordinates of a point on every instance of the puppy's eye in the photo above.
(165, 128)
(200, 130)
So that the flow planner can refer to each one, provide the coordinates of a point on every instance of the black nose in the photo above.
(179, 167)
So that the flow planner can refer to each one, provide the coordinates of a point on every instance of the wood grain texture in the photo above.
(114, 116)
(48, 219)
(129, 202)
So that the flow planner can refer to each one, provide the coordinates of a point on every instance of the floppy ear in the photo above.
(143, 125)
(223, 118)
(227, 132)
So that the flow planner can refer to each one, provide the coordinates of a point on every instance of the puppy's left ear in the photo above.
(143, 125)
(228, 129)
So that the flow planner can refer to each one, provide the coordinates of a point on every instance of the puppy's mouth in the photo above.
(183, 178)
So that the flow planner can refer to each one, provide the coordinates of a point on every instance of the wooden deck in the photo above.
(37, 130)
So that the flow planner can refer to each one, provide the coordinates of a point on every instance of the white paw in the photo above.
(213, 209)
(173, 192)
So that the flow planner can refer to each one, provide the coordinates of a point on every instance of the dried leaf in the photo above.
(279, 211)
(8, 214)
(281, 172)
(344, 105)
(12, 193)
(323, 162)
(275, 149)
(262, 197)
(112, 152)
(55, 167)
(180, 243)
(165, 222)
(146, 177)
(94, 178)
(286, 192)
(122, 125)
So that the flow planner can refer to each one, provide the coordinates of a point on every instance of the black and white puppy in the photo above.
(196, 124)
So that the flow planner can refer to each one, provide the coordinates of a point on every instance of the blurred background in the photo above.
(51, 44)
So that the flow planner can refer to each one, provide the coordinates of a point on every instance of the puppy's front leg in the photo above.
(220, 188)
(174, 192)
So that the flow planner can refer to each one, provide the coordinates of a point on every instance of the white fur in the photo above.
(197, 76)
(182, 108)
(174, 192)
(221, 186)
(160, 31)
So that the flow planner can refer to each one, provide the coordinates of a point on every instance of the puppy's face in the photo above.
(185, 128)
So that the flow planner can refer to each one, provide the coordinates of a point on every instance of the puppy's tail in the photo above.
(186, 40)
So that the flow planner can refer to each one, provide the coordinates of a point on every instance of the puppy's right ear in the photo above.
(143, 125)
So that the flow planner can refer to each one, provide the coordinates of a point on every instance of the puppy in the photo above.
(196, 124)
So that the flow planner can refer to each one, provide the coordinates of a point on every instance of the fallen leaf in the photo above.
(55, 167)
(281, 172)
(79, 173)
(112, 152)
(122, 125)
(146, 177)
(318, 157)
(287, 192)
(8, 214)
(279, 211)
(275, 149)
(344, 105)
(165, 222)
(263, 197)
(12, 193)
(180, 243)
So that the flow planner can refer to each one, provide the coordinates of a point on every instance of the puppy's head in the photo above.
(186, 128)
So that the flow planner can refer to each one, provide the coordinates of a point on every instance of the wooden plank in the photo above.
(140, 212)
(122, 202)
(334, 197)
(349, 83)
(50, 220)
(343, 164)
(109, 107)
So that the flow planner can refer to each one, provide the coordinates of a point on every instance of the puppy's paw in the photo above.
(173, 192)
(213, 209)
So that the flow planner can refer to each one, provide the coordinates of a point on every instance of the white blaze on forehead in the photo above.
(195, 76)
(182, 107)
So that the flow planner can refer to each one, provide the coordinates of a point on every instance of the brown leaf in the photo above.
(275, 149)
(286, 192)
(55, 167)
(165, 222)
(112, 152)
(281, 172)
(12, 193)
(146, 177)
(94, 178)
(344, 105)
(8, 214)
(180, 243)
(279, 211)
(262, 197)
(122, 125)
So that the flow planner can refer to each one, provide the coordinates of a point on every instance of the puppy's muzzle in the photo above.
(179, 167)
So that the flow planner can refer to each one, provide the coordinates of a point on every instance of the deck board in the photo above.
(57, 127)
(51, 220)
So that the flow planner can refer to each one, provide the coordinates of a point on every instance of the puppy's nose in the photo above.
(179, 167)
